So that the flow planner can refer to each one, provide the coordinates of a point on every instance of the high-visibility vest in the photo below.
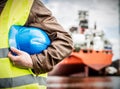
(11, 77)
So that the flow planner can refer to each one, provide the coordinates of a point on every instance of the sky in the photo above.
(104, 12)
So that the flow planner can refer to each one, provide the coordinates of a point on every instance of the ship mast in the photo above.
(83, 20)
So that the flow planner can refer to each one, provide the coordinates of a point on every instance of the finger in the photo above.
(16, 51)
(11, 56)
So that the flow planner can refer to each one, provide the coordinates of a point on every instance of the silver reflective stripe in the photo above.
(22, 80)
(4, 52)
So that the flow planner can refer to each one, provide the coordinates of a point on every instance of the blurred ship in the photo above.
(91, 50)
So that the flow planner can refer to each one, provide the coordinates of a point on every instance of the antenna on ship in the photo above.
(95, 26)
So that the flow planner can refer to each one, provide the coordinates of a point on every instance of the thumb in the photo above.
(16, 51)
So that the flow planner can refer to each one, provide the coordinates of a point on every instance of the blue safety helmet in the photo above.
(29, 39)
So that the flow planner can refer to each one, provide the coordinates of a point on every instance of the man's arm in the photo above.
(61, 42)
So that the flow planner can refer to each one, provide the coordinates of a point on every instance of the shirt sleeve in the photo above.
(61, 43)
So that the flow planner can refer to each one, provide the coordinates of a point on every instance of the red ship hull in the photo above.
(78, 60)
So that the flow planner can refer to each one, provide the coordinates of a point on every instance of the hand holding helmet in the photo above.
(24, 41)
(21, 59)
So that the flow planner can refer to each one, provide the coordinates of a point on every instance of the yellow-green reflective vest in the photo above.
(16, 12)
